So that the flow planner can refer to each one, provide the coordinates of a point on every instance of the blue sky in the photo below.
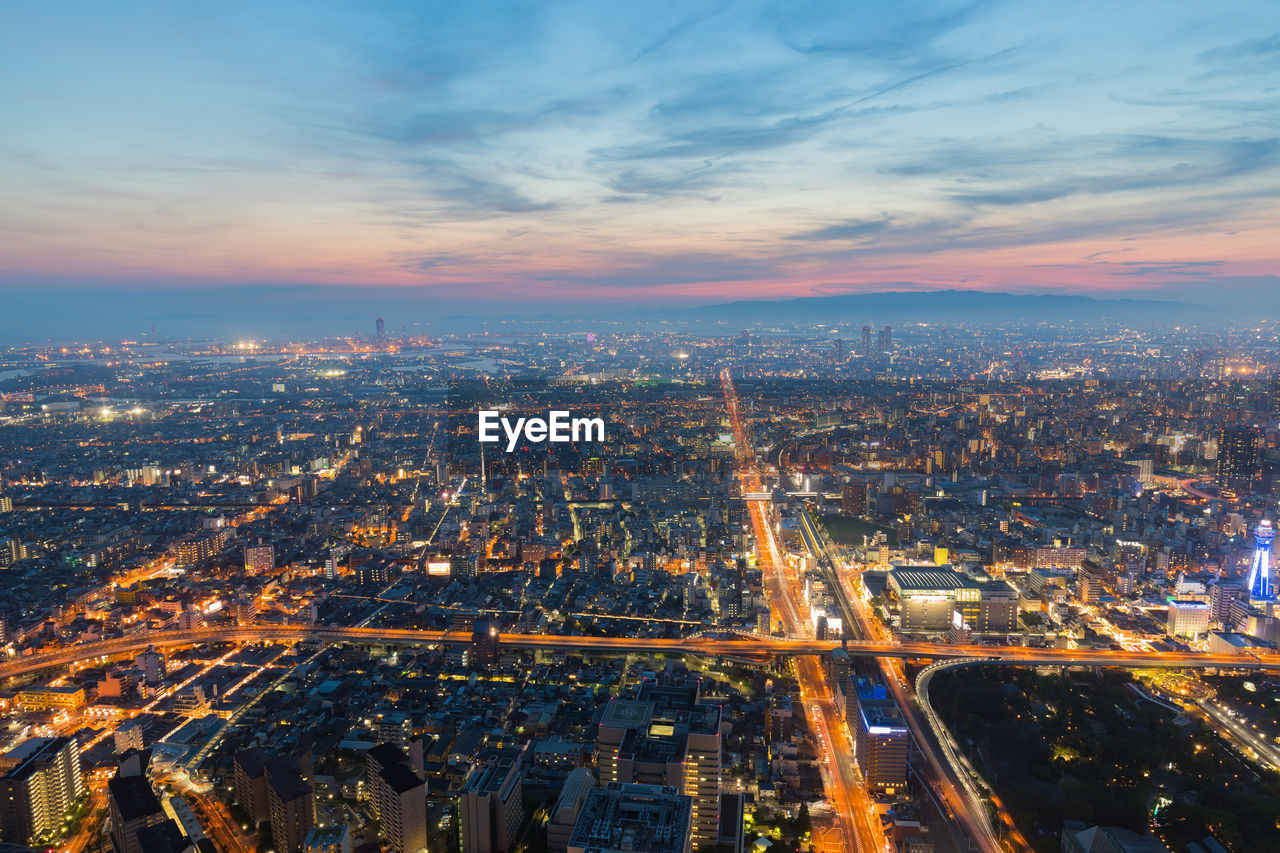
(609, 153)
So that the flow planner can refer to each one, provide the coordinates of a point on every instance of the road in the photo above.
(942, 768)
(737, 646)
(852, 807)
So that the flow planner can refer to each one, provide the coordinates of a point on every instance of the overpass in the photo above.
(706, 645)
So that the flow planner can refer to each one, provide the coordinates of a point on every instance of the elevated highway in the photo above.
(699, 645)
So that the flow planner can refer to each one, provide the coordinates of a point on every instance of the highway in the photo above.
(942, 769)
(729, 645)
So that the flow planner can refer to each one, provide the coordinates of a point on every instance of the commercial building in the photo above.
(1187, 618)
(880, 735)
(928, 596)
(61, 698)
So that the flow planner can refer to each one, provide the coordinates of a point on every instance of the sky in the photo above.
(170, 159)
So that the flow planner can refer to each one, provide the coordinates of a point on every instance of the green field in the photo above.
(845, 530)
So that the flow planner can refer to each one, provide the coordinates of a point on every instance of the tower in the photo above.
(382, 331)
(866, 342)
(1260, 572)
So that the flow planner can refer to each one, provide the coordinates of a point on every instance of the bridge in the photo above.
(706, 645)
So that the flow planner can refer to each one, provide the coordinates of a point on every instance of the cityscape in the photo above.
(755, 427)
(281, 597)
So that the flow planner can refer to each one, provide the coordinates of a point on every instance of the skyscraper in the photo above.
(886, 340)
(866, 342)
(382, 332)
(1237, 458)
(1260, 571)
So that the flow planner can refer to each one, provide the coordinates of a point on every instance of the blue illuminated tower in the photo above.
(1260, 574)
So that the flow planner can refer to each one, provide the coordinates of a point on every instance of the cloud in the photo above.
(851, 229)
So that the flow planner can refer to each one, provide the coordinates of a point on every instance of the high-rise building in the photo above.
(381, 331)
(666, 736)
(885, 342)
(40, 785)
(491, 802)
(1238, 465)
(837, 352)
(1260, 570)
(634, 818)
(564, 816)
(866, 342)
(291, 806)
(399, 798)
(1089, 583)
(259, 559)
(132, 803)
(485, 646)
(880, 736)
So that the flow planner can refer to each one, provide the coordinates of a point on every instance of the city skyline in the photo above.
(570, 155)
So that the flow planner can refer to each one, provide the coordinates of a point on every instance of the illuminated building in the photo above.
(927, 596)
(1260, 571)
(880, 736)
(1187, 618)
(1237, 459)
(259, 559)
(40, 787)
(66, 698)
(399, 798)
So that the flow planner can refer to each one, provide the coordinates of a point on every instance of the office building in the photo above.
(880, 736)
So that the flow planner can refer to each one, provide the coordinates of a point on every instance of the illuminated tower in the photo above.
(1260, 573)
